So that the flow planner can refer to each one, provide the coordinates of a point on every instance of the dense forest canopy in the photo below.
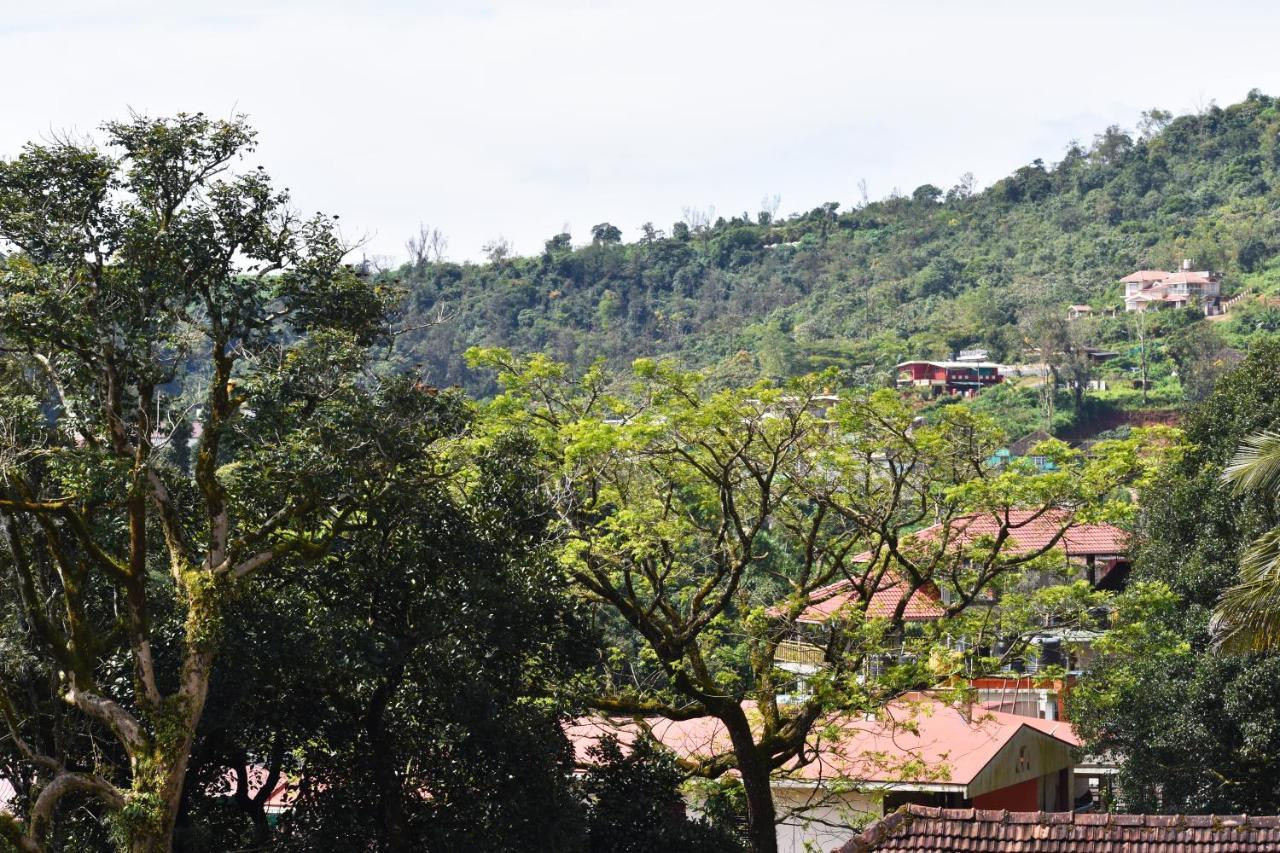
(861, 287)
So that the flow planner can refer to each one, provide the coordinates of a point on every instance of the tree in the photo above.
(605, 234)
(1139, 326)
(446, 631)
(926, 194)
(562, 242)
(498, 251)
(1248, 615)
(635, 805)
(768, 209)
(1202, 356)
(1152, 122)
(962, 190)
(1062, 346)
(697, 219)
(1195, 727)
(427, 246)
(700, 521)
(146, 287)
(1049, 335)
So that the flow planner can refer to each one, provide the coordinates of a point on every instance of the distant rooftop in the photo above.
(948, 364)
(1145, 276)
(843, 597)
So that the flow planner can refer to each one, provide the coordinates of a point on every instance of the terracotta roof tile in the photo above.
(1143, 276)
(1029, 531)
(923, 828)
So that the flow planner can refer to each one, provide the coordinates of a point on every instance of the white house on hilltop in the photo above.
(1153, 289)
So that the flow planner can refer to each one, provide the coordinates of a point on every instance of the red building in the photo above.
(949, 377)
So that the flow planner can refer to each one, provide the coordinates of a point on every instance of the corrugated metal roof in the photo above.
(917, 739)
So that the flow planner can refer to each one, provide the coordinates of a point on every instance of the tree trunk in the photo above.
(154, 831)
(161, 772)
(394, 833)
(754, 767)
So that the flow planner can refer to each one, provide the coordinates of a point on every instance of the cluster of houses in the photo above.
(999, 770)
(929, 763)
(971, 370)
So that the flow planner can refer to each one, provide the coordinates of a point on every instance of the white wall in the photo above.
(827, 821)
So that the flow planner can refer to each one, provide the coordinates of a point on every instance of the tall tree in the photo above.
(448, 632)
(700, 521)
(148, 284)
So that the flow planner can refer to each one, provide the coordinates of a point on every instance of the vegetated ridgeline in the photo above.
(920, 275)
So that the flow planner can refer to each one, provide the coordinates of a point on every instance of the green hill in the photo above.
(918, 275)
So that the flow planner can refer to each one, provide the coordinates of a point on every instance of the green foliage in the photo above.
(636, 805)
(697, 520)
(150, 286)
(1195, 728)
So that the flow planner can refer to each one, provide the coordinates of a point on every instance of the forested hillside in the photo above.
(866, 285)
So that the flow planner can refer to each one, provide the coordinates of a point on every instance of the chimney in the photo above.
(1186, 264)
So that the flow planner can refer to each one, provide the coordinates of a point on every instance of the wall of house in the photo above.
(1022, 797)
(1028, 755)
(821, 818)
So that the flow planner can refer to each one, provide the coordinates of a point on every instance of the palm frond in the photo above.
(1248, 614)
(1256, 465)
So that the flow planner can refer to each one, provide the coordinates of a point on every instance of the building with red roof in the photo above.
(920, 749)
(1148, 289)
(1098, 551)
(965, 378)
(1093, 552)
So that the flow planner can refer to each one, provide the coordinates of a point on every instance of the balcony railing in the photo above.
(795, 651)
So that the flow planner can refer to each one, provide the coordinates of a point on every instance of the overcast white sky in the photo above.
(518, 118)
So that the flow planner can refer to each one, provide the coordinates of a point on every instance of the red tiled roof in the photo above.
(1031, 531)
(1190, 277)
(916, 827)
(1144, 276)
(917, 739)
(842, 595)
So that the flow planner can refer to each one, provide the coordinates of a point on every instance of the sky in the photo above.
(521, 119)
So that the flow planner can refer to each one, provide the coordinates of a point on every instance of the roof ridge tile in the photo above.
(916, 827)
